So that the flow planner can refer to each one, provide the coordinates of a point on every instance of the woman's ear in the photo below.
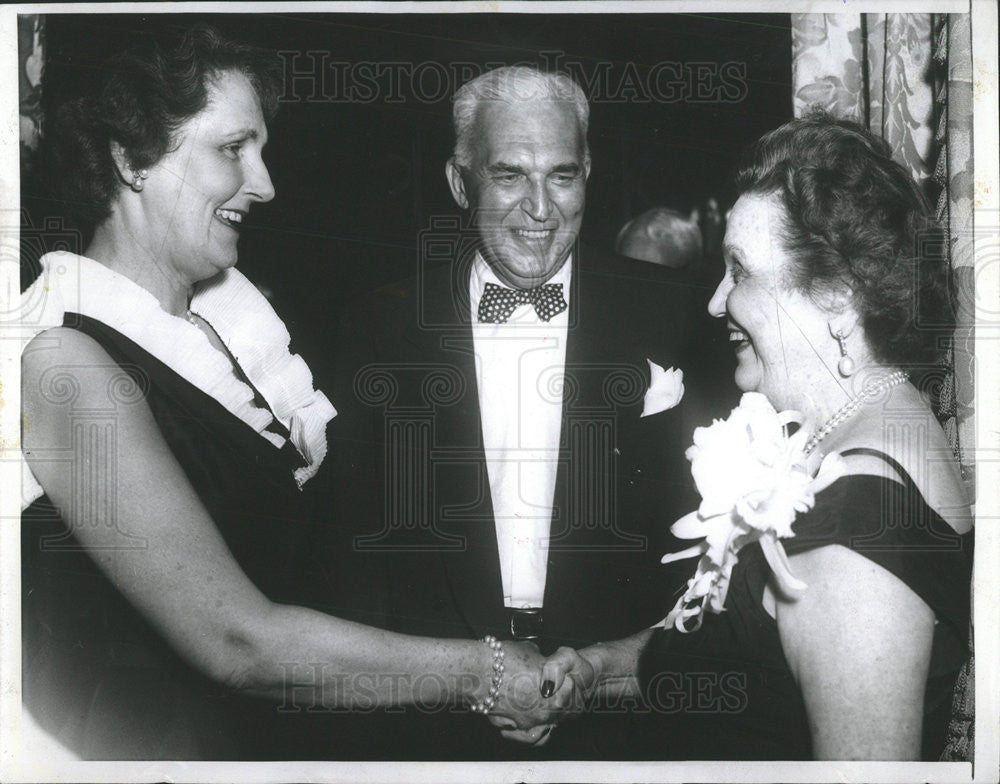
(839, 300)
(122, 165)
(127, 173)
(844, 323)
(843, 317)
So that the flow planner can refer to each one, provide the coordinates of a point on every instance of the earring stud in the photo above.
(138, 176)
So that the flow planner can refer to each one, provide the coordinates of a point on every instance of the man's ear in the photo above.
(586, 168)
(454, 174)
(122, 165)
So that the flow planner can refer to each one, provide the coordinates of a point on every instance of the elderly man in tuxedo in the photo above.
(510, 445)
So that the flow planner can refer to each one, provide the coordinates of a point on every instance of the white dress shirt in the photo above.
(519, 370)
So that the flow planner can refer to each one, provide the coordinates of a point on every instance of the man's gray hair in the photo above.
(513, 84)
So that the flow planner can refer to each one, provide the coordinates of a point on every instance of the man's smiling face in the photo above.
(525, 187)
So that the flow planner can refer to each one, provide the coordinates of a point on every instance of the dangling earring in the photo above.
(846, 365)
(138, 175)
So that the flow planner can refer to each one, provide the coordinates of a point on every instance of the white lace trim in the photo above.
(237, 311)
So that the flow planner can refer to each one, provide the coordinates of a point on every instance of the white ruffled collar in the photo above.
(239, 314)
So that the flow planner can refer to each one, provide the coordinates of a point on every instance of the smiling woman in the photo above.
(168, 434)
(192, 201)
(773, 327)
(856, 657)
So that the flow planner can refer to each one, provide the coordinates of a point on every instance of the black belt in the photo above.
(525, 623)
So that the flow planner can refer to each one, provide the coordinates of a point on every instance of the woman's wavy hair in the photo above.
(856, 218)
(144, 95)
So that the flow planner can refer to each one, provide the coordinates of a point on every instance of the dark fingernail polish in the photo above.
(548, 688)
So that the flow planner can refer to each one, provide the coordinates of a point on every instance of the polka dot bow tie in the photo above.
(498, 303)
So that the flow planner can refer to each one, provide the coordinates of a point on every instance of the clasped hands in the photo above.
(539, 692)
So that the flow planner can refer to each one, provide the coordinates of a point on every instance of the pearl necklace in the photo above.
(852, 406)
(191, 318)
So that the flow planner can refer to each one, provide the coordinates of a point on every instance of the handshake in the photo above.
(536, 693)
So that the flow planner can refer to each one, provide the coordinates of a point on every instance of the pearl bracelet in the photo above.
(484, 706)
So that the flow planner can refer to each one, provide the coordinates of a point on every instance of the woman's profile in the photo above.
(167, 432)
(828, 295)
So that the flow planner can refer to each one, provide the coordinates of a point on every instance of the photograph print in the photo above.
(577, 392)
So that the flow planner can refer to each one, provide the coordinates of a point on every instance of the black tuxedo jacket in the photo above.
(414, 537)
(407, 446)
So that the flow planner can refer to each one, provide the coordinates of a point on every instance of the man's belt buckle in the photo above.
(525, 623)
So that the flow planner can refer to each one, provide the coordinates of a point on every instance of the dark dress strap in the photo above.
(275, 426)
(889, 522)
(893, 463)
(145, 368)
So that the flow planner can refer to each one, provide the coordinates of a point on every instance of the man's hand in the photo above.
(568, 664)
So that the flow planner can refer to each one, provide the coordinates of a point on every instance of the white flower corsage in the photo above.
(753, 479)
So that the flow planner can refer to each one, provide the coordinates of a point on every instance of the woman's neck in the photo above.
(119, 249)
(824, 396)
(900, 424)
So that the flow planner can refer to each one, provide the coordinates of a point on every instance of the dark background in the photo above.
(358, 161)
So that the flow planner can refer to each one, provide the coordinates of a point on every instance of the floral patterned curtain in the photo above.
(908, 77)
(953, 175)
(870, 68)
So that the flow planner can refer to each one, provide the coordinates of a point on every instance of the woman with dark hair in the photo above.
(167, 433)
(847, 644)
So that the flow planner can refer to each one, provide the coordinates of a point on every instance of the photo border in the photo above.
(986, 766)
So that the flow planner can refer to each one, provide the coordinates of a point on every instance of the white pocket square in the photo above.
(666, 388)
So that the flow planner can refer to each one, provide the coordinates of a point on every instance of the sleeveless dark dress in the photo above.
(725, 692)
(96, 675)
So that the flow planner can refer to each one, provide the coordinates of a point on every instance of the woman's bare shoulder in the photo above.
(919, 445)
(62, 369)
(59, 345)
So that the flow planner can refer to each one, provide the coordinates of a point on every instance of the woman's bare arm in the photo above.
(858, 641)
(185, 581)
